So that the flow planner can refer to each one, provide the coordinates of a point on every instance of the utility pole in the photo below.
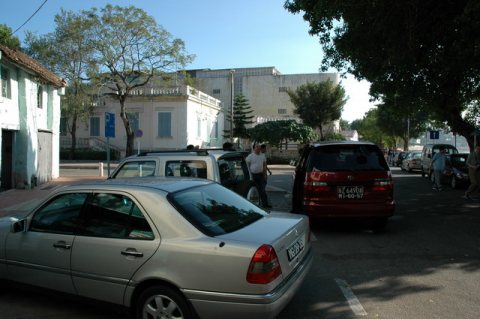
(231, 103)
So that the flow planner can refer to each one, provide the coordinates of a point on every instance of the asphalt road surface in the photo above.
(426, 265)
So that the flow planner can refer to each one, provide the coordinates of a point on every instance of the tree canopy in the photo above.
(242, 116)
(318, 103)
(425, 51)
(68, 52)
(7, 38)
(277, 132)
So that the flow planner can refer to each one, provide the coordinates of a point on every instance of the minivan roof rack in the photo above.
(198, 151)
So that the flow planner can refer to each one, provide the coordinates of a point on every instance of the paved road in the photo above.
(425, 266)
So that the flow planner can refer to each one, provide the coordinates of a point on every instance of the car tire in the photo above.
(251, 193)
(453, 183)
(379, 225)
(162, 302)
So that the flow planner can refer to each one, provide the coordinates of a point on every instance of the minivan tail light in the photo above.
(382, 185)
(316, 186)
(264, 266)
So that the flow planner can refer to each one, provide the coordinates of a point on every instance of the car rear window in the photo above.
(136, 169)
(346, 158)
(215, 210)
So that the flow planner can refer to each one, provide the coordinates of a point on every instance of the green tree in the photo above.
(68, 52)
(276, 133)
(7, 38)
(344, 125)
(370, 131)
(425, 51)
(130, 49)
(318, 103)
(397, 118)
(242, 116)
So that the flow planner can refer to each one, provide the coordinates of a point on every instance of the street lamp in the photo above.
(231, 104)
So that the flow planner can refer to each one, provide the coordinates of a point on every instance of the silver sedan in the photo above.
(165, 248)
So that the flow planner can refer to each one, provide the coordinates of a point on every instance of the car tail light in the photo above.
(264, 266)
(382, 184)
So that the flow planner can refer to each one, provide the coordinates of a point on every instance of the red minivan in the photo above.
(344, 179)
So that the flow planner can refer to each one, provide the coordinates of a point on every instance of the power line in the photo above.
(30, 16)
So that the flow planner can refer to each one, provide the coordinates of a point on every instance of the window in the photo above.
(40, 97)
(63, 126)
(282, 111)
(215, 211)
(115, 216)
(136, 169)
(60, 215)
(186, 168)
(216, 91)
(5, 83)
(233, 171)
(164, 124)
(215, 130)
(283, 89)
(134, 120)
(94, 126)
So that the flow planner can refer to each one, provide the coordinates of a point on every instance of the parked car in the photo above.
(339, 180)
(225, 167)
(398, 159)
(413, 161)
(427, 154)
(456, 171)
(164, 247)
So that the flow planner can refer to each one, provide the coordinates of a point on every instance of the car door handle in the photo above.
(132, 252)
(62, 245)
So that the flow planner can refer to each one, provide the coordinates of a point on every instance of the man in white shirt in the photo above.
(257, 164)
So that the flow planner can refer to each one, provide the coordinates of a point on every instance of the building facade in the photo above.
(162, 119)
(29, 121)
(265, 88)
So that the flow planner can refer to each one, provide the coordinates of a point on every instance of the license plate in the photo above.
(350, 192)
(295, 249)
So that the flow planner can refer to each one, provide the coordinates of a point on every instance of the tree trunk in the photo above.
(73, 133)
(129, 150)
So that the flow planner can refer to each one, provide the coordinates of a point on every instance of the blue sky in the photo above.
(221, 33)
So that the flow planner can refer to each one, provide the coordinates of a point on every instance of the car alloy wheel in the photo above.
(160, 302)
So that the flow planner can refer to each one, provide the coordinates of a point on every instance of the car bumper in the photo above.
(215, 305)
(349, 210)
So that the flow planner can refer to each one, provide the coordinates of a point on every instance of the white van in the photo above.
(427, 154)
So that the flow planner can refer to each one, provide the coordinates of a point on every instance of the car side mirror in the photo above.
(18, 226)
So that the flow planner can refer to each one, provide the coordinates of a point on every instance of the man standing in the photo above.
(438, 165)
(263, 149)
(473, 164)
(257, 164)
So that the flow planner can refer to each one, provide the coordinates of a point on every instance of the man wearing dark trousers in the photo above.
(257, 164)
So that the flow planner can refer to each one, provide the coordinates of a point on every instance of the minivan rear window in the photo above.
(334, 158)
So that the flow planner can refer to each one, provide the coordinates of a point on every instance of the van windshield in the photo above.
(346, 158)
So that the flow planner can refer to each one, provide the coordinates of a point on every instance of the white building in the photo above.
(29, 121)
(265, 88)
(163, 118)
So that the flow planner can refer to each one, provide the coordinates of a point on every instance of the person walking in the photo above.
(257, 164)
(473, 164)
(438, 165)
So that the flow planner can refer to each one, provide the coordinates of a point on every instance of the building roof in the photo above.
(25, 61)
